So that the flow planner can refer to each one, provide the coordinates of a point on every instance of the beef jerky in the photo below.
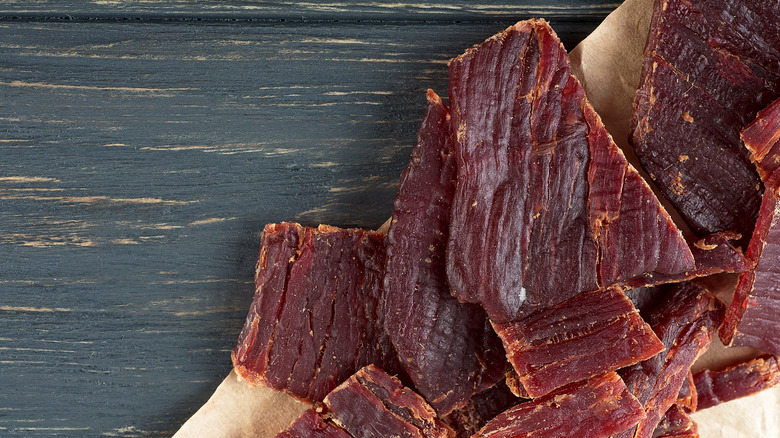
(709, 67)
(753, 318)
(316, 317)
(587, 336)
(688, 398)
(676, 423)
(715, 254)
(685, 322)
(448, 348)
(762, 139)
(742, 380)
(598, 407)
(311, 425)
(372, 403)
(546, 205)
(483, 407)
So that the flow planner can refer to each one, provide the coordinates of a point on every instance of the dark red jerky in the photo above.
(316, 316)
(546, 205)
(483, 407)
(742, 380)
(715, 254)
(311, 425)
(599, 407)
(587, 336)
(448, 348)
(709, 67)
(676, 424)
(762, 139)
(688, 398)
(374, 404)
(753, 317)
(685, 321)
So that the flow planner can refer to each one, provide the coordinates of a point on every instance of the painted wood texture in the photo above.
(141, 158)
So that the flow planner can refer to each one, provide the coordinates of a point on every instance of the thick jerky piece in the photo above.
(483, 407)
(676, 424)
(715, 254)
(685, 321)
(748, 378)
(316, 315)
(762, 139)
(448, 348)
(546, 205)
(753, 317)
(709, 67)
(374, 404)
(587, 336)
(598, 407)
(311, 425)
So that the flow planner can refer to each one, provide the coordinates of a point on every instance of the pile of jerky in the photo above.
(531, 283)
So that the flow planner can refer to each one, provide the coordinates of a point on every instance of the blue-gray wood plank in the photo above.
(142, 151)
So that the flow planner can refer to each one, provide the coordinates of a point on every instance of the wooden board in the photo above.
(141, 158)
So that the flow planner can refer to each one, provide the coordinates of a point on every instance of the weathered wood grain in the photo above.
(140, 159)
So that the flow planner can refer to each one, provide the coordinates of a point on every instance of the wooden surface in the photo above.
(143, 148)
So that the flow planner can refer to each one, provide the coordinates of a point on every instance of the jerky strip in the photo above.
(311, 425)
(546, 205)
(753, 317)
(685, 322)
(374, 404)
(598, 407)
(587, 336)
(742, 380)
(316, 315)
(676, 423)
(709, 67)
(448, 348)
(762, 139)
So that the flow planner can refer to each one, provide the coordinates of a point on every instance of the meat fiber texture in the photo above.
(709, 67)
(714, 254)
(676, 424)
(762, 139)
(599, 407)
(448, 348)
(587, 336)
(311, 425)
(753, 318)
(741, 380)
(546, 205)
(373, 404)
(316, 317)
(685, 321)
(483, 407)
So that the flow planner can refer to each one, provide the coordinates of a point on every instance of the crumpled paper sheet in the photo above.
(608, 63)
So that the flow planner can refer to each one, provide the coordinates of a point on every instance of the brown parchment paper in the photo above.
(608, 63)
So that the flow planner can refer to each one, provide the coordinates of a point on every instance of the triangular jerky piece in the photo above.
(587, 336)
(686, 321)
(316, 315)
(709, 67)
(373, 404)
(753, 317)
(598, 407)
(546, 206)
(447, 347)
(762, 139)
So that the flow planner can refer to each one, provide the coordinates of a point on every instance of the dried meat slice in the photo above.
(372, 403)
(676, 423)
(715, 254)
(546, 205)
(316, 315)
(685, 321)
(311, 425)
(741, 380)
(753, 317)
(599, 407)
(483, 407)
(762, 139)
(448, 348)
(709, 67)
(587, 336)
